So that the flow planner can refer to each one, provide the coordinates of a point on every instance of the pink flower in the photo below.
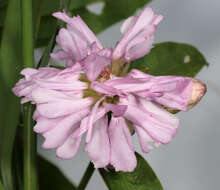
(90, 97)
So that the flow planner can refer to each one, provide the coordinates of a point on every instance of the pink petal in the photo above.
(36, 115)
(118, 110)
(171, 91)
(62, 16)
(45, 124)
(42, 95)
(137, 41)
(105, 52)
(62, 85)
(60, 54)
(128, 84)
(122, 153)
(139, 49)
(69, 148)
(84, 123)
(159, 111)
(28, 72)
(105, 89)
(67, 42)
(99, 146)
(91, 118)
(94, 64)
(128, 23)
(143, 139)
(84, 29)
(176, 91)
(64, 128)
(159, 128)
(139, 74)
(63, 107)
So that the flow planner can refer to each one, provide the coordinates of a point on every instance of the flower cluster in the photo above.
(95, 94)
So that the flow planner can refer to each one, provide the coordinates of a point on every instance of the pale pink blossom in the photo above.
(88, 97)
(63, 114)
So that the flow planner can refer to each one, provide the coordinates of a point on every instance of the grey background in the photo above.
(191, 160)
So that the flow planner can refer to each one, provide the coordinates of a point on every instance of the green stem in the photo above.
(86, 177)
(30, 171)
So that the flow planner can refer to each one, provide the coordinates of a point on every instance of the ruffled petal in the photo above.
(105, 89)
(61, 85)
(127, 24)
(84, 123)
(78, 23)
(67, 43)
(69, 148)
(60, 108)
(29, 72)
(159, 128)
(45, 124)
(94, 64)
(62, 16)
(143, 139)
(171, 91)
(60, 54)
(176, 91)
(92, 117)
(64, 128)
(138, 38)
(128, 84)
(122, 152)
(42, 95)
(99, 146)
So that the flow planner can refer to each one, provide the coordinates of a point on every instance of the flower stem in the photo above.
(86, 177)
(30, 171)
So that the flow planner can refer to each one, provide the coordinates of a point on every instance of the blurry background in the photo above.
(191, 160)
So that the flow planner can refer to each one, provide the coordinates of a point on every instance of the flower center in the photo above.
(119, 67)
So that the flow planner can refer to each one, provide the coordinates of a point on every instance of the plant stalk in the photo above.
(86, 177)
(30, 168)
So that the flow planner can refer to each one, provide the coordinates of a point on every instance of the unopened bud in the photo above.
(198, 91)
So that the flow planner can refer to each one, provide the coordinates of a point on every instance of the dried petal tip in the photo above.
(198, 91)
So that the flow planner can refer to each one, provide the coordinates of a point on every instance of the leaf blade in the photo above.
(142, 178)
(50, 177)
(170, 58)
(10, 65)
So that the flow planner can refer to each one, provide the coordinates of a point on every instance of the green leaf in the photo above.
(113, 12)
(171, 58)
(142, 178)
(50, 177)
(10, 66)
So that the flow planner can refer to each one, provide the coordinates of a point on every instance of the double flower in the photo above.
(95, 94)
